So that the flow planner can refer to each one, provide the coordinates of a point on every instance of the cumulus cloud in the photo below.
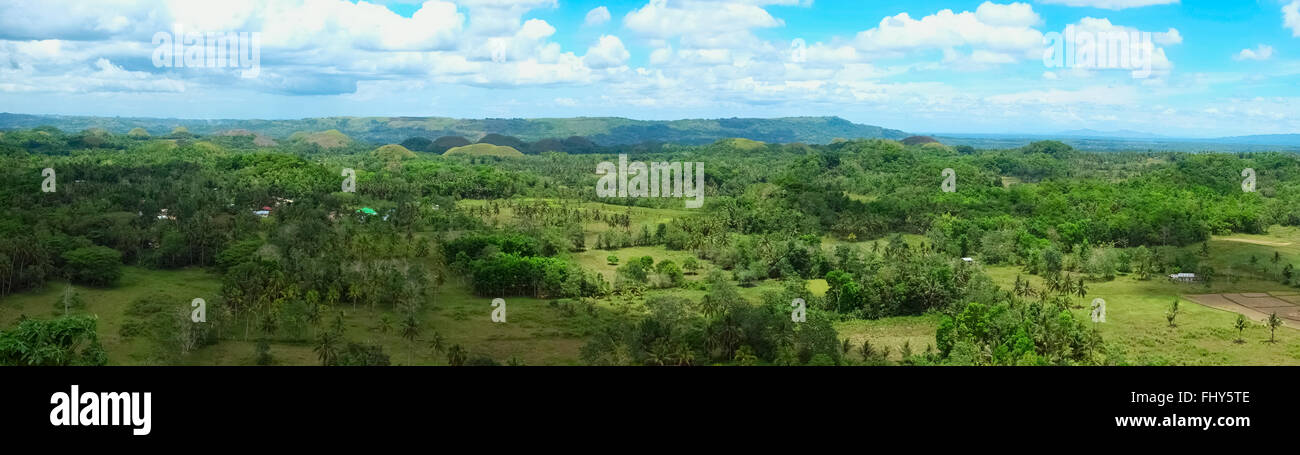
(1106, 48)
(310, 46)
(42, 67)
(597, 16)
(1011, 15)
(710, 55)
(703, 23)
(608, 52)
(1168, 38)
(1002, 29)
(1260, 53)
(1291, 17)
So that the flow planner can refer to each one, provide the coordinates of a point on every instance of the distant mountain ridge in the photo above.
(601, 130)
(1262, 139)
(1129, 140)
(1121, 134)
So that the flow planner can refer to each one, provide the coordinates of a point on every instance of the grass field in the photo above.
(1135, 310)
(541, 333)
(892, 333)
(109, 305)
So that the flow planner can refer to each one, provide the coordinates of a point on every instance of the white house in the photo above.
(1183, 277)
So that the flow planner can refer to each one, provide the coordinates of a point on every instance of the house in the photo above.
(968, 260)
(162, 215)
(266, 211)
(1183, 277)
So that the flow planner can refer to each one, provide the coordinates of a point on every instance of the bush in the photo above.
(95, 265)
(357, 354)
(70, 340)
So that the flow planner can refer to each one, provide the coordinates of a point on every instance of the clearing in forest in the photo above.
(1256, 305)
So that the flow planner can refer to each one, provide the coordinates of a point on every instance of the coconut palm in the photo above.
(1172, 313)
(1240, 325)
(327, 347)
(437, 344)
(456, 355)
(1273, 322)
(410, 330)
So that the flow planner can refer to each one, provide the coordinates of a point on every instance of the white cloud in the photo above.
(597, 16)
(500, 17)
(26, 67)
(1002, 29)
(608, 52)
(704, 56)
(1014, 14)
(311, 46)
(1102, 27)
(661, 55)
(1168, 38)
(1291, 17)
(1109, 4)
(703, 23)
(1260, 53)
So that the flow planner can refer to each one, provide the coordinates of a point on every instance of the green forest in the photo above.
(110, 236)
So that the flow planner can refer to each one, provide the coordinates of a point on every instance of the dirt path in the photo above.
(1255, 242)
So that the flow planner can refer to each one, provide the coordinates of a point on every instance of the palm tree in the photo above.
(327, 347)
(685, 355)
(410, 330)
(456, 355)
(712, 339)
(1273, 322)
(1172, 313)
(313, 315)
(1052, 282)
(1241, 327)
(437, 344)
(269, 322)
(338, 323)
(332, 297)
(1080, 289)
(729, 336)
(866, 351)
(710, 306)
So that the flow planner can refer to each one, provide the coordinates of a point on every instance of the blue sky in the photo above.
(1215, 67)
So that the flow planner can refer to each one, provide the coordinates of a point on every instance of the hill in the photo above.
(484, 150)
(392, 130)
(330, 139)
(741, 144)
(392, 152)
(918, 140)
